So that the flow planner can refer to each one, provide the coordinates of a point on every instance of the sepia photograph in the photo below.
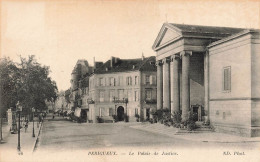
(129, 80)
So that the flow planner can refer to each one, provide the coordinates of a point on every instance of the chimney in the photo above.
(94, 67)
(142, 56)
(112, 61)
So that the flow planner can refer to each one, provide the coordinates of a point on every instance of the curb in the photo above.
(37, 138)
(180, 136)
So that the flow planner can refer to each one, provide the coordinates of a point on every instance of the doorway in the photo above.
(147, 114)
(120, 113)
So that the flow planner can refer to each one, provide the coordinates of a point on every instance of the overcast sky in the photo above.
(60, 32)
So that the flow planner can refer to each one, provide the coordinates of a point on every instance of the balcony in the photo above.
(150, 101)
(90, 101)
(124, 100)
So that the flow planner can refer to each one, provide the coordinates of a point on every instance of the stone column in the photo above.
(166, 83)
(185, 84)
(206, 83)
(159, 85)
(175, 89)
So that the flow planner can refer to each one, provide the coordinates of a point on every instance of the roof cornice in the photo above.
(244, 32)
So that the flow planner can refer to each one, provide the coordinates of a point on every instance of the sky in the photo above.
(59, 32)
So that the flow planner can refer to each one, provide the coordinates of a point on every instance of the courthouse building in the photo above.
(123, 87)
(213, 72)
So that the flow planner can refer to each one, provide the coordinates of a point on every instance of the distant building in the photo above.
(50, 106)
(123, 87)
(212, 72)
(60, 103)
(79, 85)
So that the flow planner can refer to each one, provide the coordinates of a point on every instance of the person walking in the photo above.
(26, 126)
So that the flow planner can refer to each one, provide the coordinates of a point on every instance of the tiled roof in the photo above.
(128, 65)
(206, 30)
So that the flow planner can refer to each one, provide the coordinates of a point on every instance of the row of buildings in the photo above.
(121, 87)
(212, 71)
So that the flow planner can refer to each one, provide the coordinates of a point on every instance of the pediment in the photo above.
(167, 34)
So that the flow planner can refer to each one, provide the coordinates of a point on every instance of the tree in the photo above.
(27, 82)
(8, 79)
(35, 87)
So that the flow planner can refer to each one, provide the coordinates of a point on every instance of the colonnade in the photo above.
(168, 79)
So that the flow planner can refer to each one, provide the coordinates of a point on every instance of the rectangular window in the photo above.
(107, 81)
(120, 94)
(100, 111)
(101, 82)
(227, 78)
(148, 94)
(147, 79)
(129, 81)
(102, 96)
(136, 96)
(136, 80)
(111, 95)
(110, 111)
(112, 81)
(120, 80)
(153, 80)
(136, 111)
(103, 112)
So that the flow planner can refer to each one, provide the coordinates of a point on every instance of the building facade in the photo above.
(123, 87)
(79, 87)
(234, 83)
(192, 77)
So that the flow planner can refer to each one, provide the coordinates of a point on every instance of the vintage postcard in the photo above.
(134, 80)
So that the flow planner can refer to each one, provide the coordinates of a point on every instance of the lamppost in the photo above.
(19, 108)
(33, 110)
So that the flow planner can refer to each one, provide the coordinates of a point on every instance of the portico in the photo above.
(182, 66)
(169, 79)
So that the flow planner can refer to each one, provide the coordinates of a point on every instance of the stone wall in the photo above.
(235, 111)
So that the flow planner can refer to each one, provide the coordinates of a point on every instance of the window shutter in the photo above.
(154, 80)
(151, 79)
(114, 83)
(229, 79)
(106, 81)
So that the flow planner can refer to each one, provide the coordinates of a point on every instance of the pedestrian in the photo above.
(26, 126)
(40, 118)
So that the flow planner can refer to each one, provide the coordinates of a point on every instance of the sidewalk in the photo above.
(194, 136)
(27, 142)
(6, 131)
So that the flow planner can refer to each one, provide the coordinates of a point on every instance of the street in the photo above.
(64, 135)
